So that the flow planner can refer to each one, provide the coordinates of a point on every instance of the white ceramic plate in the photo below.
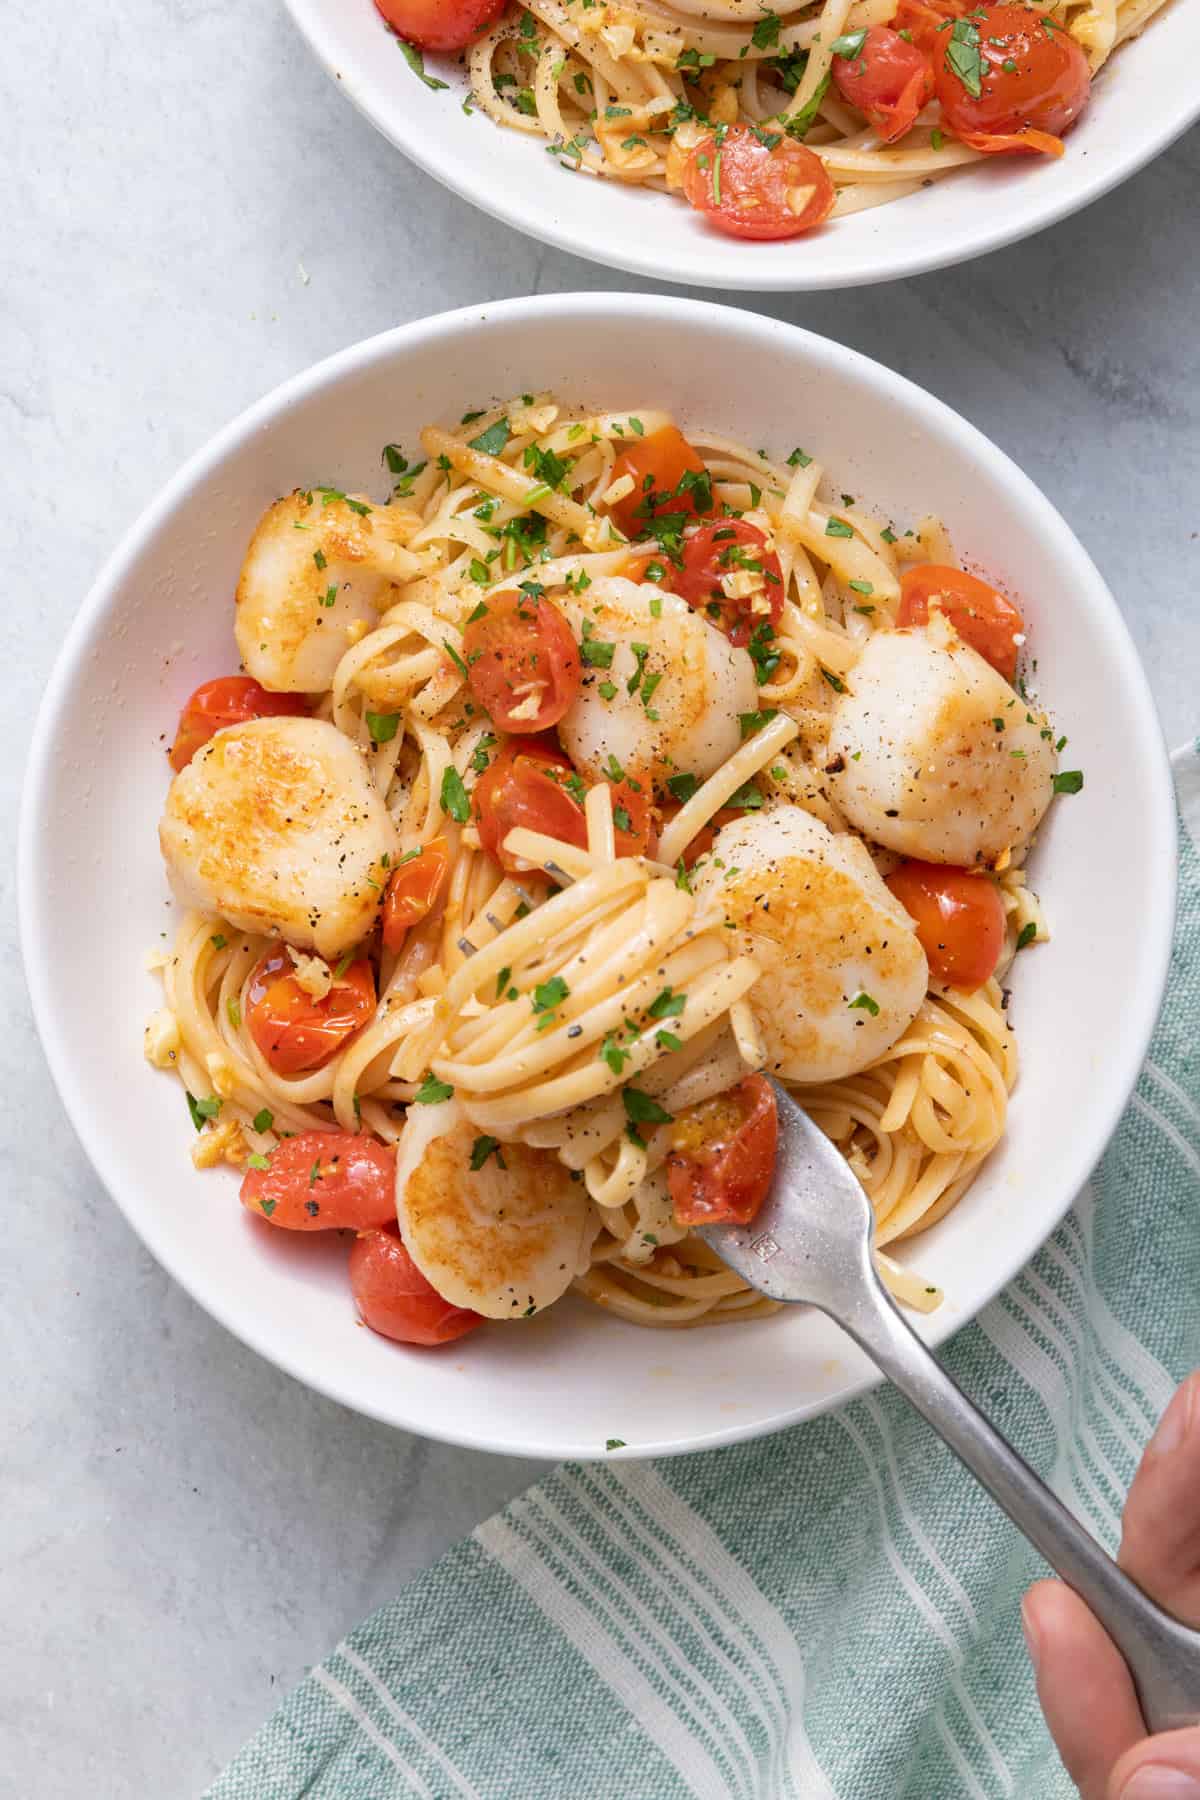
(159, 620)
(1147, 95)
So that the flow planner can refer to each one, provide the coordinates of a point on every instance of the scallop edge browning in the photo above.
(843, 975)
(277, 826)
(935, 755)
(506, 1238)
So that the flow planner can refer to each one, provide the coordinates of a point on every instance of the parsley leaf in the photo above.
(454, 797)
(1069, 781)
(482, 1148)
(416, 63)
(493, 440)
(432, 1092)
(382, 726)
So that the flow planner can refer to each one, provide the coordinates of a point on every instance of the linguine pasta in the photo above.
(584, 1001)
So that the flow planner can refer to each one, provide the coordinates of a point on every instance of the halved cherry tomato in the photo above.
(711, 555)
(752, 191)
(525, 784)
(229, 700)
(523, 661)
(925, 24)
(725, 1158)
(668, 477)
(325, 1181)
(413, 890)
(533, 784)
(1004, 71)
(959, 918)
(889, 80)
(294, 1031)
(980, 614)
(440, 24)
(394, 1298)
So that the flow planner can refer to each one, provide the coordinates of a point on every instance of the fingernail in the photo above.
(1032, 1641)
(1175, 1423)
(1155, 1781)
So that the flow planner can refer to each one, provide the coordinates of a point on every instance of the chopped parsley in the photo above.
(1069, 781)
(432, 1092)
(493, 440)
(683, 787)
(865, 1002)
(549, 994)
(382, 726)
(668, 1005)
(416, 63)
(202, 1110)
(838, 528)
(849, 44)
(454, 796)
(962, 56)
(1026, 934)
(482, 1148)
(754, 721)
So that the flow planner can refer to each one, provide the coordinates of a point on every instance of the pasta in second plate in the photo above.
(596, 773)
(771, 121)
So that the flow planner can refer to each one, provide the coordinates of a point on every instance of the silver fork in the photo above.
(812, 1242)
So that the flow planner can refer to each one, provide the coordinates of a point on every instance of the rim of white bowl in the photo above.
(1155, 931)
(752, 274)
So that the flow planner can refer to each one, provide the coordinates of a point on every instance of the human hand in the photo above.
(1083, 1684)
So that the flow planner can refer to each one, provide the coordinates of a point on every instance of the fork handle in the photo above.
(1163, 1655)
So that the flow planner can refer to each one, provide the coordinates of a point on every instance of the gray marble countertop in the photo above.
(186, 1530)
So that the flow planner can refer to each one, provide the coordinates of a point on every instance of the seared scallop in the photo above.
(934, 755)
(278, 826)
(499, 1228)
(319, 569)
(663, 687)
(842, 972)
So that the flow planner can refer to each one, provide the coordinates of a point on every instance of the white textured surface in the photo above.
(186, 1530)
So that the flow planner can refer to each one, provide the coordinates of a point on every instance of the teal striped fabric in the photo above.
(831, 1611)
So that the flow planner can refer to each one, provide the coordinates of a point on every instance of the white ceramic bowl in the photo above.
(1144, 99)
(159, 620)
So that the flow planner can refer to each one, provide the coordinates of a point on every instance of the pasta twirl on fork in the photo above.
(596, 774)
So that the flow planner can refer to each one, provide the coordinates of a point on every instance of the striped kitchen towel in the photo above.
(832, 1611)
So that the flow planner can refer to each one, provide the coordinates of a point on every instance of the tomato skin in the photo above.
(980, 614)
(959, 919)
(229, 700)
(727, 1174)
(521, 648)
(666, 457)
(711, 551)
(1034, 77)
(440, 24)
(413, 891)
(394, 1298)
(324, 1181)
(889, 80)
(746, 194)
(295, 1032)
(523, 786)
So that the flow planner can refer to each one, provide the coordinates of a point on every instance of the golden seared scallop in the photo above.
(934, 755)
(842, 972)
(499, 1228)
(662, 687)
(319, 569)
(278, 826)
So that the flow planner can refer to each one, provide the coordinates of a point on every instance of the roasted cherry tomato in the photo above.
(752, 191)
(394, 1298)
(413, 890)
(980, 614)
(532, 783)
(1010, 78)
(523, 661)
(296, 1032)
(230, 700)
(668, 477)
(722, 1166)
(729, 551)
(440, 24)
(325, 1181)
(959, 918)
(925, 24)
(888, 79)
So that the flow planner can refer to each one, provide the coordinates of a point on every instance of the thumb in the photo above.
(1164, 1767)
